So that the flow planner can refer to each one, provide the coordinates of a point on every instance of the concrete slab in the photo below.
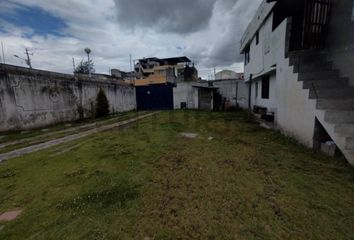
(189, 135)
(9, 216)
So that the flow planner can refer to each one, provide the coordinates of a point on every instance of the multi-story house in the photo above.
(167, 70)
(299, 58)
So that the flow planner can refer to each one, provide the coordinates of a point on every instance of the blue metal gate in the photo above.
(155, 97)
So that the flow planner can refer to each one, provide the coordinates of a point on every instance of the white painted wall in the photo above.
(264, 55)
(294, 112)
(227, 89)
(269, 103)
(185, 92)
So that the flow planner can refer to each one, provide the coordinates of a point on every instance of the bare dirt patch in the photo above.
(9, 216)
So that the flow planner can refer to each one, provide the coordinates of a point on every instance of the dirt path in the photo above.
(39, 139)
(45, 145)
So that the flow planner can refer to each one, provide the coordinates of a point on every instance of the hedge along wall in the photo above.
(31, 98)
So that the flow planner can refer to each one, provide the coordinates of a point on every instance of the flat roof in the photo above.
(172, 60)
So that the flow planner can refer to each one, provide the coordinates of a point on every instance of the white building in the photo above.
(299, 62)
(228, 74)
(202, 95)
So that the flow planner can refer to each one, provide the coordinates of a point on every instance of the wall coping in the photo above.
(17, 70)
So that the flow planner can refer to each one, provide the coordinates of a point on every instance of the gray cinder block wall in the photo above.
(31, 98)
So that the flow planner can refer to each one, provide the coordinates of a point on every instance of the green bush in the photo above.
(102, 105)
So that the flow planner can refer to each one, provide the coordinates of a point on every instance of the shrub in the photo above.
(102, 105)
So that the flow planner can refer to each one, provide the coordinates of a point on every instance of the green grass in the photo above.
(37, 136)
(19, 135)
(147, 181)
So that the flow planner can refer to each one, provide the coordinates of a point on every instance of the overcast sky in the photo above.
(207, 31)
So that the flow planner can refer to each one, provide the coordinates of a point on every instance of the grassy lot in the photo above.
(148, 182)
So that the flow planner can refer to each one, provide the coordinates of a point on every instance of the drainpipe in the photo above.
(236, 95)
(249, 97)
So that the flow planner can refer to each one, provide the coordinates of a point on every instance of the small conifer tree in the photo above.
(102, 105)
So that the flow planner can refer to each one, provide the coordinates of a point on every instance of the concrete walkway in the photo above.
(42, 146)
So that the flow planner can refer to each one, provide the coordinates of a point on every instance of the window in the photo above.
(256, 90)
(247, 55)
(257, 38)
(265, 87)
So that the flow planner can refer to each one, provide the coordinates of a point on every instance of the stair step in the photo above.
(344, 129)
(297, 61)
(334, 93)
(336, 104)
(337, 117)
(307, 58)
(306, 52)
(321, 75)
(312, 67)
(328, 83)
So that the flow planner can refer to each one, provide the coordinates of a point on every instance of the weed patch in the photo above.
(118, 195)
(7, 173)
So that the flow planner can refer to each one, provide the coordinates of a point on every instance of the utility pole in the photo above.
(131, 69)
(28, 59)
(74, 66)
(3, 54)
(88, 51)
(214, 73)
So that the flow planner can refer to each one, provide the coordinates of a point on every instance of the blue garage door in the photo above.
(155, 97)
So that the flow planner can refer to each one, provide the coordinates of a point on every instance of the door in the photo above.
(205, 99)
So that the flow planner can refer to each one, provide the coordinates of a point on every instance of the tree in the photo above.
(102, 105)
(85, 67)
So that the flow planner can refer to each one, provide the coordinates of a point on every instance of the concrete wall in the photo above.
(341, 38)
(256, 99)
(185, 92)
(227, 89)
(294, 112)
(264, 55)
(257, 21)
(34, 98)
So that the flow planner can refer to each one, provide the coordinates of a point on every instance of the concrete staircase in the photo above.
(334, 95)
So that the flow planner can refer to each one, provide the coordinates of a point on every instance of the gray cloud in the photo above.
(227, 19)
(169, 16)
(226, 51)
(207, 31)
